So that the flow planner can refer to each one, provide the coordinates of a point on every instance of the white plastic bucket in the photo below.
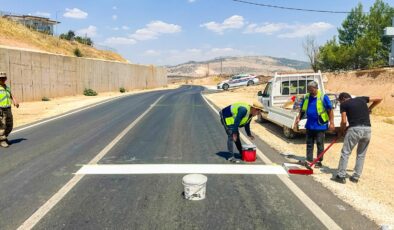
(194, 186)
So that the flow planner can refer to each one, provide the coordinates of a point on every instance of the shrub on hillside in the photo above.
(77, 52)
(45, 99)
(122, 90)
(89, 92)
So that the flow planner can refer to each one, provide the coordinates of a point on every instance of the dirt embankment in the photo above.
(374, 83)
(15, 35)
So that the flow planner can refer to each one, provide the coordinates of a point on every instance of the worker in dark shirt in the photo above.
(354, 111)
(235, 116)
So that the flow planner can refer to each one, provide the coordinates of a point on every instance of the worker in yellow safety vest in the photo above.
(320, 117)
(235, 116)
(6, 120)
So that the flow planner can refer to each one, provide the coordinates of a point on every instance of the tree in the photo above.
(86, 41)
(70, 35)
(353, 27)
(361, 40)
(311, 50)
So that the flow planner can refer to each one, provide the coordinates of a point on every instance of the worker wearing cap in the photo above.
(6, 99)
(235, 116)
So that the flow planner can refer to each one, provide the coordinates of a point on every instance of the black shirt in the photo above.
(357, 111)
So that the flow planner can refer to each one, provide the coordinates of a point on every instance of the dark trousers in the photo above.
(6, 123)
(311, 137)
(230, 140)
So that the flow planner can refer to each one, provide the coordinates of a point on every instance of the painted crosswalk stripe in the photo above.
(181, 169)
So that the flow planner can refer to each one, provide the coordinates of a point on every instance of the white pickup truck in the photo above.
(279, 94)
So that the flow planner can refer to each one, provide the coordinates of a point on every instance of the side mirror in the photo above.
(259, 94)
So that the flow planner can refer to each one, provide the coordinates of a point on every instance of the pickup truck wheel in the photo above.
(289, 133)
(250, 83)
(225, 87)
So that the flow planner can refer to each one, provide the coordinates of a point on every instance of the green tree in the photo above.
(70, 35)
(361, 41)
(353, 26)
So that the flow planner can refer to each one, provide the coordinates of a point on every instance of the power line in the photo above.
(291, 8)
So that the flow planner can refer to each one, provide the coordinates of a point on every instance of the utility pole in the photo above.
(221, 66)
(56, 29)
(389, 31)
(208, 69)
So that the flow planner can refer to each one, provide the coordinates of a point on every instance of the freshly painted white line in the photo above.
(45, 208)
(181, 169)
(326, 220)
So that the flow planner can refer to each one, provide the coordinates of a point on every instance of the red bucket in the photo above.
(249, 153)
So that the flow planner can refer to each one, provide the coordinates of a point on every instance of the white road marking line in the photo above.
(180, 169)
(326, 220)
(59, 195)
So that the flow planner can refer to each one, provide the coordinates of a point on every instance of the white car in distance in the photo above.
(238, 80)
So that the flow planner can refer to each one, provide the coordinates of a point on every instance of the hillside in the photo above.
(260, 65)
(16, 35)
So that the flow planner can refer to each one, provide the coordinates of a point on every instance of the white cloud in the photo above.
(125, 28)
(114, 7)
(116, 28)
(151, 53)
(42, 14)
(266, 28)
(191, 1)
(75, 13)
(309, 29)
(91, 31)
(154, 29)
(144, 34)
(233, 22)
(285, 30)
(114, 17)
(119, 41)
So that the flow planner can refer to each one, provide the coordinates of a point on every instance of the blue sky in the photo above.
(176, 31)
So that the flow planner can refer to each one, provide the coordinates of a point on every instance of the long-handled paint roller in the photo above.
(306, 168)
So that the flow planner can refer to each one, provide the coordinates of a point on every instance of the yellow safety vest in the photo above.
(234, 112)
(319, 105)
(5, 97)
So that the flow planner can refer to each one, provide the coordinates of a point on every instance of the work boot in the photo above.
(233, 160)
(4, 144)
(339, 179)
(318, 164)
(353, 179)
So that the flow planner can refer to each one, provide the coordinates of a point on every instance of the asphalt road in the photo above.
(181, 128)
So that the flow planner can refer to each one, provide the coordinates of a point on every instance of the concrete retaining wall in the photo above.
(34, 75)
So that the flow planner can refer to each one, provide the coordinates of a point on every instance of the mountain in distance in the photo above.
(258, 65)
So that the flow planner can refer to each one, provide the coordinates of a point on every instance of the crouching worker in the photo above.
(354, 111)
(235, 116)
